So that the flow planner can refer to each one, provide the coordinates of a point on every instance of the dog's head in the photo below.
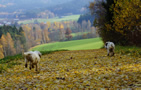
(106, 44)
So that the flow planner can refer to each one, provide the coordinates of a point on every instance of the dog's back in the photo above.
(111, 47)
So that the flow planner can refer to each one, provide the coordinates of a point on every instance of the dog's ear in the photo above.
(40, 55)
(106, 43)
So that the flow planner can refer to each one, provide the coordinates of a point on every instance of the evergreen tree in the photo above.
(22, 36)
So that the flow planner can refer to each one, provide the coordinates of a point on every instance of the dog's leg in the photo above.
(30, 65)
(36, 69)
(107, 52)
(26, 63)
(113, 53)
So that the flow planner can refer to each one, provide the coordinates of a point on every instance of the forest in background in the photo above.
(14, 40)
(58, 31)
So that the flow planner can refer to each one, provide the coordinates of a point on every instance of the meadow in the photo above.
(84, 44)
(78, 64)
(56, 19)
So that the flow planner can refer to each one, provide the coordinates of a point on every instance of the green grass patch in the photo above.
(84, 44)
(56, 19)
(11, 58)
(128, 50)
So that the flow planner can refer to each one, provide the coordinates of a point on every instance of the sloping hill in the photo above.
(59, 7)
(72, 7)
(84, 44)
(14, 5)
(85, 69)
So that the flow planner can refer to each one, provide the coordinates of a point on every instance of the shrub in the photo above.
(118, 20)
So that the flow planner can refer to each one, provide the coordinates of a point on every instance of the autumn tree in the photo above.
(10, 45)
(56, 25)
(48, 24)
(127, 20)
(1, 52)
(4, 44)
(28, 35)
(68, 33)
(11, 34)
(104, 13)
(38, 35)
(118, 20)
(89, 25)
(7, 45)
(45, 36)
(61, 32)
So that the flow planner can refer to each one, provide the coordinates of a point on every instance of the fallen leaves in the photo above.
(76, 70)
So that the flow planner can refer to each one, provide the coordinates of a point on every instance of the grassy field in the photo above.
(57, 19)
(86, 44)
(94, 43)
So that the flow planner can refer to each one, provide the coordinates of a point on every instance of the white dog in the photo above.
(34, 58)
(110, 46)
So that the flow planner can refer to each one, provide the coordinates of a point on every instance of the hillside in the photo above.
(14, 5)
(84, 44)
(22, 8)
(85, 69)
(56, 19)
(72, 7)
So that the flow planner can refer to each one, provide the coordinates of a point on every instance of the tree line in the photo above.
(118, 20)
(41, 33)
(15, 40)
(12, 41)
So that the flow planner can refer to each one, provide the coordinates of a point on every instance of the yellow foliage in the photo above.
(1, 52)
(126, 15)
(61, 26)
(86, 69)
(48, 24)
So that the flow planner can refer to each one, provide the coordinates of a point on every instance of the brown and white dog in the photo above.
(33, 57)
(110, 46)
